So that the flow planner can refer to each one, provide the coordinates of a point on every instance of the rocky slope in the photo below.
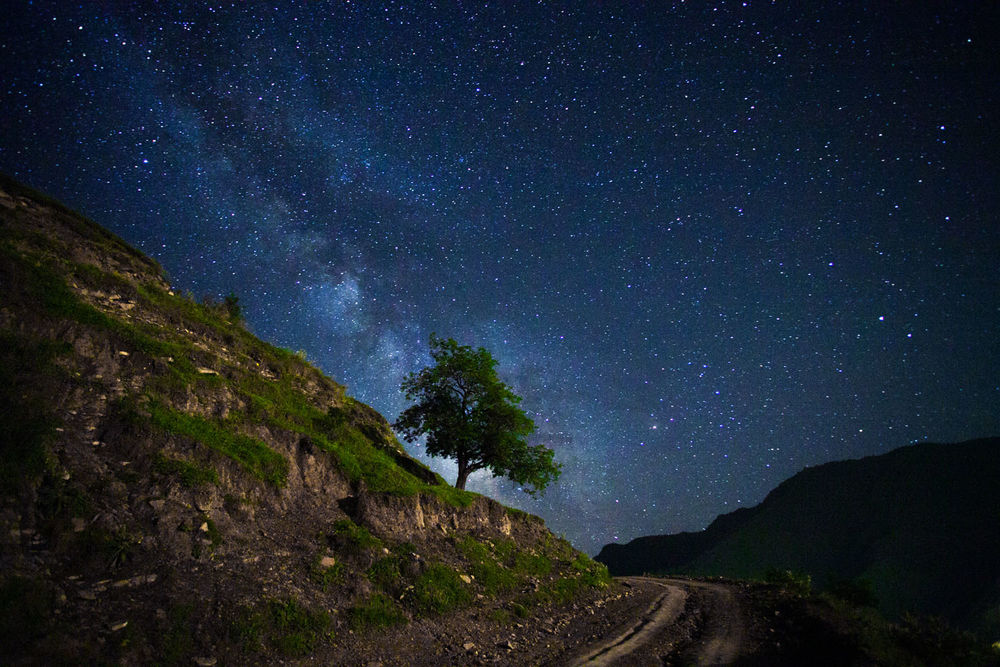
(174, 490)
(916, 529)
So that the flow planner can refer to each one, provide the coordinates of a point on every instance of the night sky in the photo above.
(709, 243)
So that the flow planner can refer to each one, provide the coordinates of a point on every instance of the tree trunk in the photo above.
(463, 474)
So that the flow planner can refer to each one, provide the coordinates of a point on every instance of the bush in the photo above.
(798, 583)
(858, 592)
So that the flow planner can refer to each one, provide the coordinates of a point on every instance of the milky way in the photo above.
(710, 244)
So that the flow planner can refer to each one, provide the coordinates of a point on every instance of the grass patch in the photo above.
(387, 573)
(377, 611)
(260, 460)
(584, 573)
(438, 590)
(283, 625)
(592, 573)
(37, 285)
(531, 564)
(484, 565)
(357, 538)
(189, 474)
(326, 577)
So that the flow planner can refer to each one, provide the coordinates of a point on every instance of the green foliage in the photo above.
(858, 592)
(378, 611)
(499, 566)
(467, 413)
(36, 283)
(262, 461)
(386, 573)
(592, 573)
(326, 577)
(438, 590)
(798, 583)
(285, 625)
(486, 566)
(519, 610)
(212, 531)
(531, 564)
(296, 628)
(500, 616)
(190, 474)
(234, 310)
(354, 535)
(113, 548)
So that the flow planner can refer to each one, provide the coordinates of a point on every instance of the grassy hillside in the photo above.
(172, 486)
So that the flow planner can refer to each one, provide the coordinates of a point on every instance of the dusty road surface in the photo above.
(689, 622)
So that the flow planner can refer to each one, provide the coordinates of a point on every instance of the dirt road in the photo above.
(695, 622)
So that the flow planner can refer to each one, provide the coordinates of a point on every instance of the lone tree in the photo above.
(469, 415)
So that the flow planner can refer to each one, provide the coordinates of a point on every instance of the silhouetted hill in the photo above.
(920, 523)
(174, 490)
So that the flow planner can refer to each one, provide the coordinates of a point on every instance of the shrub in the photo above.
(858, 592)
(798, 583)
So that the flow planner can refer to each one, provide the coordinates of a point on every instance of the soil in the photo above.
(635, 621)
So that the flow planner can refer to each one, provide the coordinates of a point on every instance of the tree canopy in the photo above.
(470, 415)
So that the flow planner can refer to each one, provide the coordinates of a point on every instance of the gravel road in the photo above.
(693, 622)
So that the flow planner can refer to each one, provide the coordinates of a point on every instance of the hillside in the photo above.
(173, 489)
(920, 524)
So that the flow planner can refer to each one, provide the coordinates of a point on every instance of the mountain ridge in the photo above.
(921, 524)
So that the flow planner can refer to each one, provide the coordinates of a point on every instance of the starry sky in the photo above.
(709, 243)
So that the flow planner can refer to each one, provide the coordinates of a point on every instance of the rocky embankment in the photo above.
(176, 490)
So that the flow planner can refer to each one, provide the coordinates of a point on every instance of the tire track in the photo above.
(725, 632)
(720, 642)
(662, 612)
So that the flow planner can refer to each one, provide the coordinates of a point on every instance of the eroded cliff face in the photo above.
(171, 485)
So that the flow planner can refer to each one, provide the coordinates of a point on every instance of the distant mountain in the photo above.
(921, 524)
(174, 490)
